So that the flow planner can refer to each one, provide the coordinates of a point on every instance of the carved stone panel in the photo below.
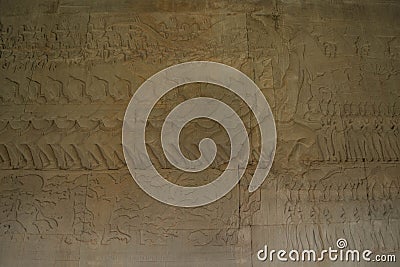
(68, 69)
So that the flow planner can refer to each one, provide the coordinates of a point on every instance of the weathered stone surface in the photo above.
(329, 70)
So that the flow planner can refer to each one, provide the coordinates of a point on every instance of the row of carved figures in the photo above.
(115, 35)
(359, 139)
(65, 90)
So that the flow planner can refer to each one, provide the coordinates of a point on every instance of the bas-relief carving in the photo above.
(343, 93)
(336, 105)
(344, 197)
(65, 84)
(152, 38)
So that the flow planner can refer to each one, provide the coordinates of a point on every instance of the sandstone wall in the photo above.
(329, 69)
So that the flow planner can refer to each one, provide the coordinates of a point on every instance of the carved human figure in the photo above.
(389, 140)
(371, 153)
(291, 87)
(377, 139)
(338, 139)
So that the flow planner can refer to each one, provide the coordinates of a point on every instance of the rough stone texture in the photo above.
(329, 69)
